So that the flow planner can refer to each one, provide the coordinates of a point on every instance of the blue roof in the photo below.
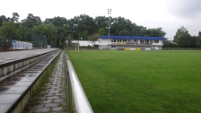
(133, 37)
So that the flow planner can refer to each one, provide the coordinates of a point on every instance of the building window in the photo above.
(113, 46)
(156, 41)
(124, 40)
(118, 40)
(141, 41)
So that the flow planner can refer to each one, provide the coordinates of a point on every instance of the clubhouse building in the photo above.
(123, 43)
(129, 43)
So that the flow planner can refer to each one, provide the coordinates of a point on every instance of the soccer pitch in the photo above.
(140, 81)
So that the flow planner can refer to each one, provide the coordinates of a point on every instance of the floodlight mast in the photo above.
(109, 13)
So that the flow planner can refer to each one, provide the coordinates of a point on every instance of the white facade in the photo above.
(17, 45)
(129, 44)
(124, 43)
(83, 42)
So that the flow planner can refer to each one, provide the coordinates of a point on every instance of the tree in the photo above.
(62, 34)
(8, 30)
(193, 42)
(2, 19)
(24, 33)
(101, 31)
(101, 23)
(82, 26)
(62, 29)
(155, 32)
(184, 39)
(47, 32)
(59, 21)
(124, 32)
(121, 26)
(140, 31)
(94, 38)
(15, 17)
(199, 39)
(31, 21)
(199, 34)
(167, 43)
(57, 29)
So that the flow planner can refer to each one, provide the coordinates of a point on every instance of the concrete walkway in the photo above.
(13, 55)
(54, 99)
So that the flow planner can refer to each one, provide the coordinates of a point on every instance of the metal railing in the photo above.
(81, 102)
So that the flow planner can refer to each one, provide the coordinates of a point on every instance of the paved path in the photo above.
(12, 55)
(54, 96)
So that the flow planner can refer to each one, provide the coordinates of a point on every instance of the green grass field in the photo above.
(140, 81)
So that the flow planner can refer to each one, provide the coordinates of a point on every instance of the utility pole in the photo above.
(109, 19)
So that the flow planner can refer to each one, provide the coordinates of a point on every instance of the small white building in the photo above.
(84, 43)
(129, 43)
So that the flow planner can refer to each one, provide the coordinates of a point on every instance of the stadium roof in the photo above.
(133, 37)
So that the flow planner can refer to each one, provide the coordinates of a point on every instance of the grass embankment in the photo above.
(140, 81)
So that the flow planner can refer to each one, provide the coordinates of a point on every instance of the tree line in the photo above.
(58, 29)
(184, 39)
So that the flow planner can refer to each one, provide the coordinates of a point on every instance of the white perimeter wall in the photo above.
(83, 42)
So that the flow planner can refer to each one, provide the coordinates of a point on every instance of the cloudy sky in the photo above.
(168, 14)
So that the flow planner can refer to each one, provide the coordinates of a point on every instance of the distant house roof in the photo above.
(133, 37)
